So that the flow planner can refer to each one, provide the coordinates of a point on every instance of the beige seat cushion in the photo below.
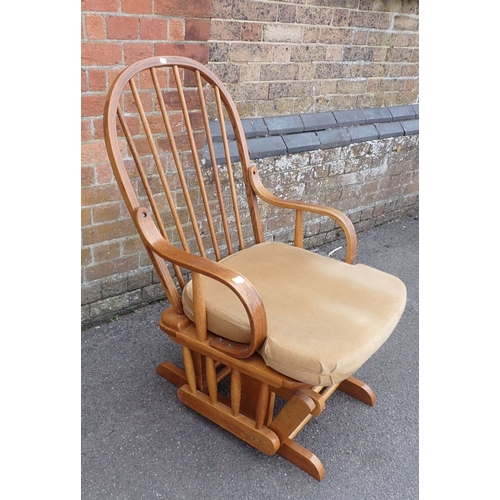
(325, 317)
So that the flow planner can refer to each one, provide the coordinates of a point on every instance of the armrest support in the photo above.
(339, 217)
(243, 289)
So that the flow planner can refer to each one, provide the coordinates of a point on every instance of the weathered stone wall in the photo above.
(300, 56)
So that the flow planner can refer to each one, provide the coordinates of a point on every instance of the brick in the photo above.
(101, 53)
(335, 36)
(90, 292)
(311, 35)
(94, 26)
(416, 109)
(272, 72)
(287, 14)
(251, 32)
(282, 33)
(289, 89)
(358, 53)
(108, 232)
(106, 213)
(197, 29)
(84, 82)
(176, 29)
(99, 194)
(400, 54)
(228, 73)
(86, 126)
(106, 252)
(122, 28)
(249, 91)
(139, 279)
(100, 5)
(218, 51)
(239, 52)
(87, 176)
(153, 29)
(405, 23)
(313, 15)
(107, 308)
(137, 6)
(225, 30)
(250, 10)
(184, 8)
(97, 80)
(309, 52)
(199, 52)
(92, 105)
(328, 71)
(133, 52)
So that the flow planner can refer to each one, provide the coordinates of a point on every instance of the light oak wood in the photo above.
(168, 213)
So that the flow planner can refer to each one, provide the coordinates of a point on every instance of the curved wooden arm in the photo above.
(339, 217)
(238, 284)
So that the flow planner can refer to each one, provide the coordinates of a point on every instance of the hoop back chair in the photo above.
(268, 330)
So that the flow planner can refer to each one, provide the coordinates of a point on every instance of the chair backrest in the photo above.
(160, 121)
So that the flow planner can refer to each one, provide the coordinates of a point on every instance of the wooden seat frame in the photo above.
(210, 361)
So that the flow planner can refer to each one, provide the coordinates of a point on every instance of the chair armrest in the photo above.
(338, 216)
(244, 290)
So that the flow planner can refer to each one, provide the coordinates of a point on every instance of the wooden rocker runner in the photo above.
(258, 321)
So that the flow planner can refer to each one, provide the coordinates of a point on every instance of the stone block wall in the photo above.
(301, 56)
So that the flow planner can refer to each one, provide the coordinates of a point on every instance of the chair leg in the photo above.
(172, 373)
(262, 439)
(358, 390)
(287, 424)
(302, 458)
(249, 414)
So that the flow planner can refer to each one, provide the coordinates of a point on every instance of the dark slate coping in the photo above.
(402, 112)
(264, 147)
(410, 127)
(279, 135)
(318, 121)
(216, 132)
(306, 141)
(334, 138)
(391, 129)
(284, 124)
(254, 127)
(363, 133)
(350, 117)
(377, 115)
(220, 155)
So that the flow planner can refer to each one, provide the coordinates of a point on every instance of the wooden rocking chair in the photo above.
(259, 322)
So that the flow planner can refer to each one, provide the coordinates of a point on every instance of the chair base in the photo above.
(252, 419)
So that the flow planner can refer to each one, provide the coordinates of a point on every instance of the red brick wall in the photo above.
(116, 33)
